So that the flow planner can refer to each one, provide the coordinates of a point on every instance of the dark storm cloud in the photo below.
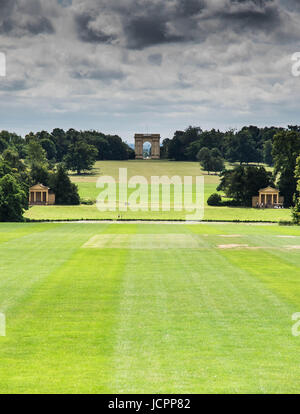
(252, 14)
(6, 5)
(145, 31)
(154, 61)
(19, 18)
(142, 23)
(190, 7)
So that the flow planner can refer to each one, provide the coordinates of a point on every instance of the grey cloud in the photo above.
(146, 31)
(6, 6)
(19, 18)
(291, 5)
(186, 59)
(143, 23)
(14, 85)
(87, 33)
(190, 7)
(252, 14)
(105, 75)
(155, 59)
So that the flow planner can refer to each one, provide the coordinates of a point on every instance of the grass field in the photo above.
(140, 308)
(87, 189)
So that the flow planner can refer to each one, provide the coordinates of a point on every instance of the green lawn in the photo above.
(140, 308)
(87, 189)
(211, 213)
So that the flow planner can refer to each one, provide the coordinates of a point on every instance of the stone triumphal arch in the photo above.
(154, 140)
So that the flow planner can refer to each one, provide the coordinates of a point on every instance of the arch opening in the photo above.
(147, 150)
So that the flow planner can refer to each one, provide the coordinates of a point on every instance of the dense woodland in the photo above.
(47, 157)
(273, 146)
(248, 145)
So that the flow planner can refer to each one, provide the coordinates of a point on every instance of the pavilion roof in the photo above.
(269, 190)
(39, 187)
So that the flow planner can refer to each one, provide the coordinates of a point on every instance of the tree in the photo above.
(66, 193)
(61, 141)
(11, 157)
(242, 183)
(267, 152)
(192, 150)
(176, 148)
(211, 160)
(180, 142)
(286, 149)
(3, 145)
(39, 174)
(50, 148)
(204, 157)
(212, 139)
(81, 156)
(164, 152)
(35, 153)
(294, 128)
(241, 147)
(218, 164)
(13, 199)
(12, 165)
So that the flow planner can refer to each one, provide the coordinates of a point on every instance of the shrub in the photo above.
(214, 200)
(86, 201)
(285, 223)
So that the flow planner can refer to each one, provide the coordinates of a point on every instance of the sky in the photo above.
(154, 66)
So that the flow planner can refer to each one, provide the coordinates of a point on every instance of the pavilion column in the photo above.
(34, 196)
(47, 196)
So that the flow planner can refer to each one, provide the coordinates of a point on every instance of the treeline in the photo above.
(17, 176)
(46, 158)
(65, 146)
(248, 145)
(277, 147)
(285, 152)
